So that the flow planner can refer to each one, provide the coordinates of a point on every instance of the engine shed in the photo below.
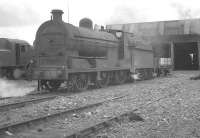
(176, 39)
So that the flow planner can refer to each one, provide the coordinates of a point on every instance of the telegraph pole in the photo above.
(68, 10)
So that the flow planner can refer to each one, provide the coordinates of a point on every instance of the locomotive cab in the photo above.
(14, 56)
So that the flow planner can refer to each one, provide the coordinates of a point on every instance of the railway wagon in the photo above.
(14, 56)
(79, 56)
(162, 57)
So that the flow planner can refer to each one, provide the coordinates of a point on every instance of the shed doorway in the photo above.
(186, 56)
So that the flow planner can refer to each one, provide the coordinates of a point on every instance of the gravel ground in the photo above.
(174, 116)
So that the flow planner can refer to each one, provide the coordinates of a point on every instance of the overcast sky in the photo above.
(21, 18)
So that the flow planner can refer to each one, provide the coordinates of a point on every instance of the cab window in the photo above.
(23, 48)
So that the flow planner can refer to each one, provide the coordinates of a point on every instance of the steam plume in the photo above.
(184, 12)
(9, 88)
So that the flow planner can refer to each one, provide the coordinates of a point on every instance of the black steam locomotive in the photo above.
(80, 56)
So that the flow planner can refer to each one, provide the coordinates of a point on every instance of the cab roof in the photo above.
(14, 41)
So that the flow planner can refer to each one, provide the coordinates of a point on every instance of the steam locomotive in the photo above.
(80, 56)
(14, 57)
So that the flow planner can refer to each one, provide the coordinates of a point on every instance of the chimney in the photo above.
(57, 15)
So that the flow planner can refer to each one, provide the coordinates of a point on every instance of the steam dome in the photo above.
(86, 23)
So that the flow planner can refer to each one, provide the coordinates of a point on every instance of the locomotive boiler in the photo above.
(79, 56)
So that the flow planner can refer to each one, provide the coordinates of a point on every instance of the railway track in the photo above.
(86, 132)
(95, 128)
(82, 133)
(4, 98)
(29, 99)
(22, 124)
(6, 107)
(91, 130)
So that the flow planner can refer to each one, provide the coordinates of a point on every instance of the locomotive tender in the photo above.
(14, 56)
(79, 56)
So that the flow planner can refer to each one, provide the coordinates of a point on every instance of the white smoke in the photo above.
(185, 12)
(11, 88)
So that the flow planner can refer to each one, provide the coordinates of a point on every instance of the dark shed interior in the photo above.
(186, 56)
